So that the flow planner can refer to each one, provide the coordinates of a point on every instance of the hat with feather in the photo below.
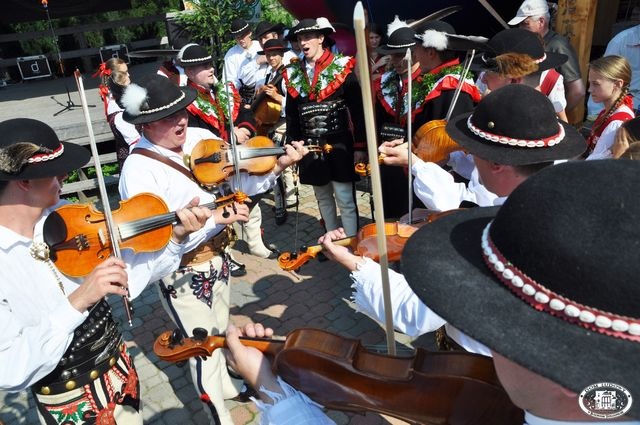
(30, 149)
(153, 98)
(400, 37)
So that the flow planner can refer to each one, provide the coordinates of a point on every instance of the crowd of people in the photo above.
(539, 255)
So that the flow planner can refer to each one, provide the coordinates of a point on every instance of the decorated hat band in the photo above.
(315, 27)
(400, 46)
(542, 59)
(162, 108)
(543, 299)
(240, 30)
(47, 156)
(523, 143)
(206, 58)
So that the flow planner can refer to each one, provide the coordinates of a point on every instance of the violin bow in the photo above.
(111, 227)
(463, 75)
(232, 135)
(407, 58)
(372, 148)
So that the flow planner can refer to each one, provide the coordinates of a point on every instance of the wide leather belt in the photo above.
(209, 249)
(83, 377)
(322, 119)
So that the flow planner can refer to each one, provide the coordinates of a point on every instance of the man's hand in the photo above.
(232, 213)
(109, 277)
(397, 154)
(249, 362)
(242, 134)
(190, 219)
(294, 152)
(338, 253)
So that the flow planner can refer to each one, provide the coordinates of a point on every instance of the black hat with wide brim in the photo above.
(309, 25)
(273, 46)
(516, 125)
(153, 98)
(517, 40)
(193, 55)
(19, 161)
(567, 229)
(265, 27)
(398, 42)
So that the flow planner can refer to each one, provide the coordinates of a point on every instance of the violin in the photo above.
(443, 387)
(212, 161)
(364, 242)
(78, 238)
(266, 110)
(431, 143)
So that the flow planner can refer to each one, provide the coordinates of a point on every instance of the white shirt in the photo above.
(604, 143)
(142, 174)
(128, 130)
(438, 191)
(235, 57)
(410, 315)
(36, 319)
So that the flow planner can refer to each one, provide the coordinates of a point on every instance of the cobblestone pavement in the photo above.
(317, 296)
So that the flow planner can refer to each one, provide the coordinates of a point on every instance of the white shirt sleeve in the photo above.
(292, 408)
(410, 315)
(128, 130)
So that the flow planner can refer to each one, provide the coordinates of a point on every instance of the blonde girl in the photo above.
(609, 79)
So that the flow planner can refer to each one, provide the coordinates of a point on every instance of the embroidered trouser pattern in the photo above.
(112, 399)
(198, 296)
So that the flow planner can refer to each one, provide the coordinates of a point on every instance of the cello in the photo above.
(442, 387)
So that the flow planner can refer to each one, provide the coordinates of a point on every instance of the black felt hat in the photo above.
(192, 55)
(552, 282)
(264, 27)
(30, 149)
(400, 37)
(310, 25)
(153, 98)
(517, 40)
(273, 45)
(516, 125)
(239, 27)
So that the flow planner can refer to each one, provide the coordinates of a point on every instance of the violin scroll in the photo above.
(289, 261)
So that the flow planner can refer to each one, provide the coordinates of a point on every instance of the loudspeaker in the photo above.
(33, 67)
(115, 51)
(177, 34)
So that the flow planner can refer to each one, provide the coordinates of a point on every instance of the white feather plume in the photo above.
(395, 25)
(324, 23)
(434, 39)
(134, 98)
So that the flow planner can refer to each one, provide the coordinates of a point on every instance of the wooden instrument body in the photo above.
(78, 237)
(431, 143)
(211, 160)
(442, 387)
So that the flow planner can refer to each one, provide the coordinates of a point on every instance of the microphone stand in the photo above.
(70, 104)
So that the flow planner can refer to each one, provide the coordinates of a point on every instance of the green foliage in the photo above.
(139, 8)
(273, 11)
(210, 20)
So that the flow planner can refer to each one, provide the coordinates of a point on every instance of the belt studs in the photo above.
(70, 385)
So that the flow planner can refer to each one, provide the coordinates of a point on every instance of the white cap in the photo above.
(530, 8)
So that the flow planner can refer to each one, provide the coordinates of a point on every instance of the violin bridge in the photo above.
(101, 237)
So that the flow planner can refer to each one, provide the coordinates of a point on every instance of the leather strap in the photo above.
(164, 160)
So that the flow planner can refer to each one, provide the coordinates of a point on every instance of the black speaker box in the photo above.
(32, 67)
(115, 51)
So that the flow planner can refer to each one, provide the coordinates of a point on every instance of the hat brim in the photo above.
(273, 28)
(443, 264)
(190, 64)
(552, 60)
(570, 147)
(282, 51)
(386, 50)
(516, 21)
(73, 158)
(189, 96)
